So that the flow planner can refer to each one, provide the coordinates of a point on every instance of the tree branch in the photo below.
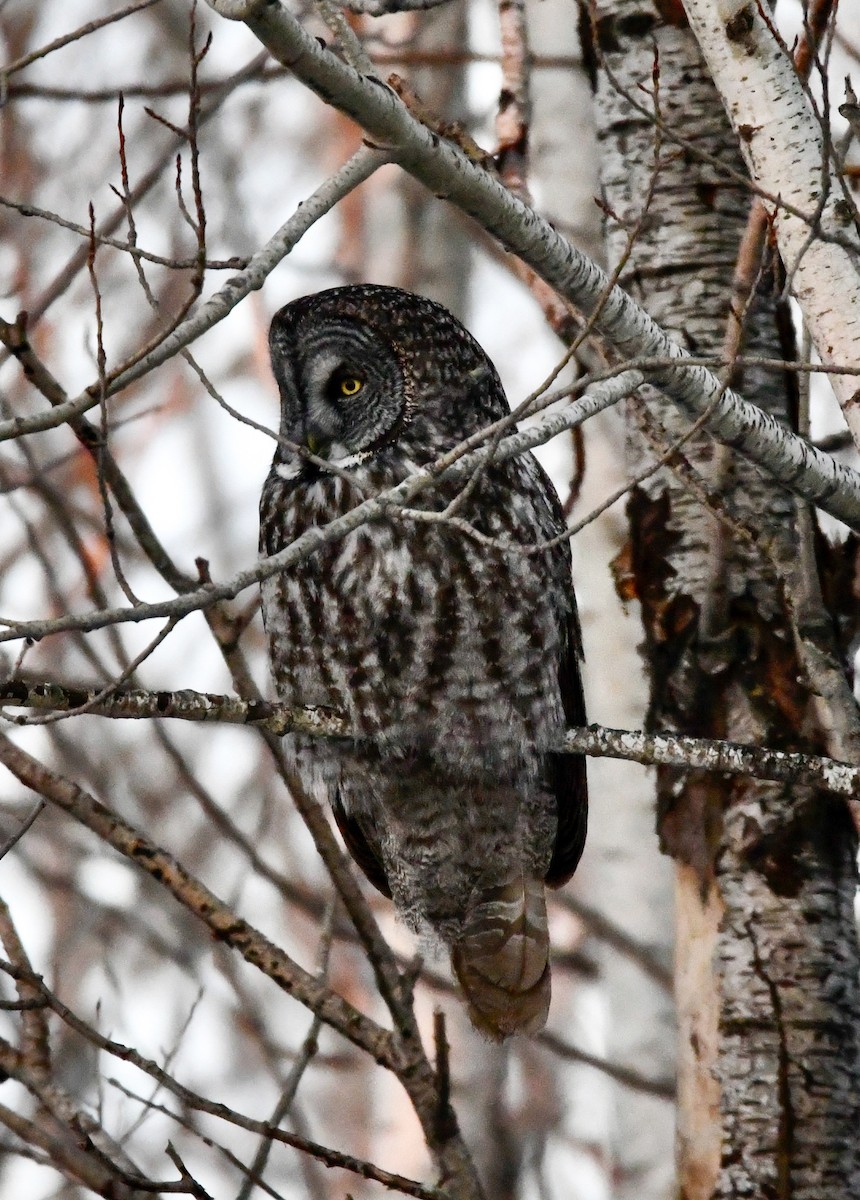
(194, 896)
(449, 172)
(459, 463)
(650, 749)
(362, 164)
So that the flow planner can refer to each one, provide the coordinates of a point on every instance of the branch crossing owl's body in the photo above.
(450, 643)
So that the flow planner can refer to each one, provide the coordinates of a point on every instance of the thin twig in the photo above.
(14, 838)
(75, 36)
(457, 464)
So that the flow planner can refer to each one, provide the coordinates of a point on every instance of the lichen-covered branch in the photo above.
(686, 753)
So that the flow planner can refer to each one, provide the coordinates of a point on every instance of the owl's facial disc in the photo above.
(334, 392)
(342, 394)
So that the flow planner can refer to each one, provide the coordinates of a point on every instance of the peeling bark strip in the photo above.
(512, 119)
(767, 959)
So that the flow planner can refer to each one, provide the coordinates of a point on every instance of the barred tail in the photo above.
(502, 959)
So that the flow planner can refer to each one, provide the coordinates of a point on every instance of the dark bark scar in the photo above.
(785, 1132)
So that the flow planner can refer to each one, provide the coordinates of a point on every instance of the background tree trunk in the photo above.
(622, 876)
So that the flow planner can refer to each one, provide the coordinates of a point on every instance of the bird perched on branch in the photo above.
(447, 634)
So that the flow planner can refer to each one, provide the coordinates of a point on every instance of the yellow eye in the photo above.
(350, 385)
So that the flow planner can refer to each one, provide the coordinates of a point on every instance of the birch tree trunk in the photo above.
(767, 956)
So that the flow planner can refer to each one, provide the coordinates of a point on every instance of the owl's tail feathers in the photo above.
(502, 959)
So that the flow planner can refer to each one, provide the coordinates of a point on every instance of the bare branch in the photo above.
(221, 920)
(43, 301)
(627, 1076)
(127, 247)
(14, 838)
(359, 168)
(83, 31)
(399, 1051)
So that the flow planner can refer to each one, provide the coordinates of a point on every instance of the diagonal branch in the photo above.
(358, 168)
(194, 896)
(404, 1057)
(452, 466)
(449, 172)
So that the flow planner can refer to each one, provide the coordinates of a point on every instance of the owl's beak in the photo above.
(319, 427)
(317, 441)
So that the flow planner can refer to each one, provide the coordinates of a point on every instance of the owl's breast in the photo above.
(423, 637)
(322, 613)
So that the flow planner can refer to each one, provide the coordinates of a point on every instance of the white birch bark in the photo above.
(564, 170)
(782, 142)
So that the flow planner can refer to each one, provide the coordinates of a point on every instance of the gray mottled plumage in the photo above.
(456, 655)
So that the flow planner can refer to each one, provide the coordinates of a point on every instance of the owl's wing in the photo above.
(567, 771)
(361, 844)
(567, 775)
(540, 518)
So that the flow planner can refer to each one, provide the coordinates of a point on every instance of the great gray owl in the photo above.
(453, 654)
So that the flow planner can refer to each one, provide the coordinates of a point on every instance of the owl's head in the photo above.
(365, 367)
